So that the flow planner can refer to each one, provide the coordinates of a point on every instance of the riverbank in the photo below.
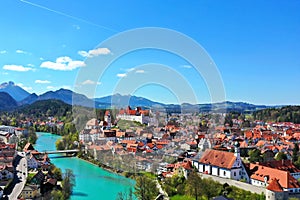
(92, 181)
(108, 168)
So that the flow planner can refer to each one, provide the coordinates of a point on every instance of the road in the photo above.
(20, 176)
(161, 191)
(239, 184)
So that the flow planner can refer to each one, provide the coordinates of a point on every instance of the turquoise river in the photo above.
(92, 182)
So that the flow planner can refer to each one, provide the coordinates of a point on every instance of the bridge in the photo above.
(71, 151)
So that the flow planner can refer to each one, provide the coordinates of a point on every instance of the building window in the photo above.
(224, 173)
(234, 174)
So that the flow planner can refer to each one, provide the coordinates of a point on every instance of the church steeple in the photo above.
(236, 149)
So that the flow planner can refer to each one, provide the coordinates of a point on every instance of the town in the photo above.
(25, 173)
(256, 156)
(262, 156)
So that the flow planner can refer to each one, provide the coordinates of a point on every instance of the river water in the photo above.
(92, 182)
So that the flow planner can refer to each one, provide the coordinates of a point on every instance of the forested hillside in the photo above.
(284, 114)
(46, 108)
(6, 101)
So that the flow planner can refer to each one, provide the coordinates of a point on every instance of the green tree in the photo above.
(280, 156)
(255, 156)
(125, 195)
(13, 122)
(297, 163)
(59, 145)
(32, 137)
(211, 188)
(68, 183)
(145, 188)
(194, 185)
(56, 172)
(57, 195)
(295, 152)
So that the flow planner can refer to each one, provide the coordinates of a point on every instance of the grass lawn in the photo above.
(150, 175)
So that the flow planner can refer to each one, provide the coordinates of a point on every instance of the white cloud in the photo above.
(77, 27)
(3, 51)
(21, 51)
(64, 63)
(18, 68)
(94, 52)
(140, 71)
(24, 87)
(41, 58)
(186, 66)
(30, 65)
(90, 82)
(42, 81)
(121, 75)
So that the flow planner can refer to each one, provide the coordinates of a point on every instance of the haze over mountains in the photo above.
(13, 96)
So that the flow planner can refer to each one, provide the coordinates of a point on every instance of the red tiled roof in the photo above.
(128, 141)
(286, 165)
(187, 165)
(284, 177)
(275, 186)
(260, 143)
(150, 145)
(221, 159)
(163, 142)
(243, 144)
(170, 166)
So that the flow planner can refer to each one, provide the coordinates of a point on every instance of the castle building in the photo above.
(138, 115)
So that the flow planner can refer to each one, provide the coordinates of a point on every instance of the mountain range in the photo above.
(14, 90)
(13, 96)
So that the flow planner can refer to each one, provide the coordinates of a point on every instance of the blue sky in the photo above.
(254, 44)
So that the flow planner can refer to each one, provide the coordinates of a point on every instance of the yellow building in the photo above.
(30, 192)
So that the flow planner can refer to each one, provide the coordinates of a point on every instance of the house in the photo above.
(90, 135)
(38, 178)
(6, 172)
(286, 165)
(32, 162)
(262, 176)
(21, 132)
(222, 164)
(184, 168)
(107, 119)
(204, 144)
(274, 191)
(92, 124)
(30, 192)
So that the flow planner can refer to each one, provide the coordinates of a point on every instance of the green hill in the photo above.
(6, 101)
(46, 108)
(284, 114)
